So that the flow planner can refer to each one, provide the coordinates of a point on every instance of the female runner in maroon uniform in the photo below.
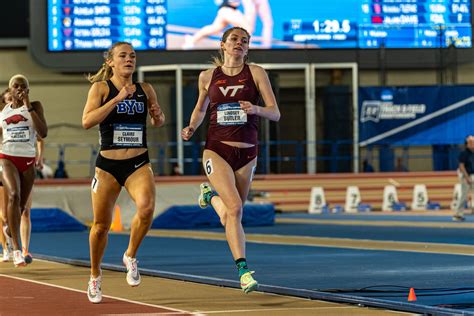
(232, 90)
(120, 106)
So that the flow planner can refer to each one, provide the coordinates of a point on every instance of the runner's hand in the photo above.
(187, 132)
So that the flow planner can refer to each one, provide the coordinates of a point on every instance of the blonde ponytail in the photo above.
(105, 72)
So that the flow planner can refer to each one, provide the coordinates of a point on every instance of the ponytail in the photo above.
(105, 72)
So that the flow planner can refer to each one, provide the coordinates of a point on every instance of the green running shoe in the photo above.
(247, 282)
(205, 196)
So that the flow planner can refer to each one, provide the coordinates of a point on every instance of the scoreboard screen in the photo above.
(88, 25)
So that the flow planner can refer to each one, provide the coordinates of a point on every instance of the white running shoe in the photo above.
(6, 255)
(18, 259)
(133, 276)
(94, 290)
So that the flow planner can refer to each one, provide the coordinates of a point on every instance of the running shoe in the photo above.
(6, 255)
(28, 257)
(18, 259)
(205, 196)
(94, 290)
(458, 218)
(247, 282)
(133, 276)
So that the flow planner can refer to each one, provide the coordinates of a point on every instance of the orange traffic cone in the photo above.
(411, 295)
(117, 220)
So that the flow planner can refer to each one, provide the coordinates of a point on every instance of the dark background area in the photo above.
(15, 19)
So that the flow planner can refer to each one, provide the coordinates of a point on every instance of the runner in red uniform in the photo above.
(22, 121)
(232, 91)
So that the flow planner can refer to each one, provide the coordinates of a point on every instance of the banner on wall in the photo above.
(415, 115)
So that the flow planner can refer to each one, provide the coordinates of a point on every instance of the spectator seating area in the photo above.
(291, 193)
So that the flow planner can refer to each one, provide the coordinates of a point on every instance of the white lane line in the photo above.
(289, 309)
(108, 296)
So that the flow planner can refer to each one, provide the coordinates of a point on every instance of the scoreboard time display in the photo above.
(88, 25)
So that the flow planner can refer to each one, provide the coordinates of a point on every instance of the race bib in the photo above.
(231, 114)
(19, 134)
(128, 135)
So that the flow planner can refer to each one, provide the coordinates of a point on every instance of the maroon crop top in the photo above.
(227, 121)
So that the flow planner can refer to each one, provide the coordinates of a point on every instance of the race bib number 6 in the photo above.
(208, 167)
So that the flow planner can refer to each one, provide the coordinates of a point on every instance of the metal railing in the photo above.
(84, 155)
(275, 157)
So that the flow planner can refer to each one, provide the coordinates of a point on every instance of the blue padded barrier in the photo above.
(364, 207)
(433, 206)
(192, 216)
(54, 220)
(399, 206)
(337, 209)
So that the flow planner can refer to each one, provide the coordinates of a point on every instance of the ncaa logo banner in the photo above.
(417, 115)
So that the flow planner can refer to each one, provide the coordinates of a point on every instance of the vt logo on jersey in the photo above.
(232, 89)
(130, 107)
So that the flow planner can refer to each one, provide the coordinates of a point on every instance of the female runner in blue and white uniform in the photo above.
(120, 107)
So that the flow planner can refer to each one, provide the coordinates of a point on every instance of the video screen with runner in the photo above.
(88, 25)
